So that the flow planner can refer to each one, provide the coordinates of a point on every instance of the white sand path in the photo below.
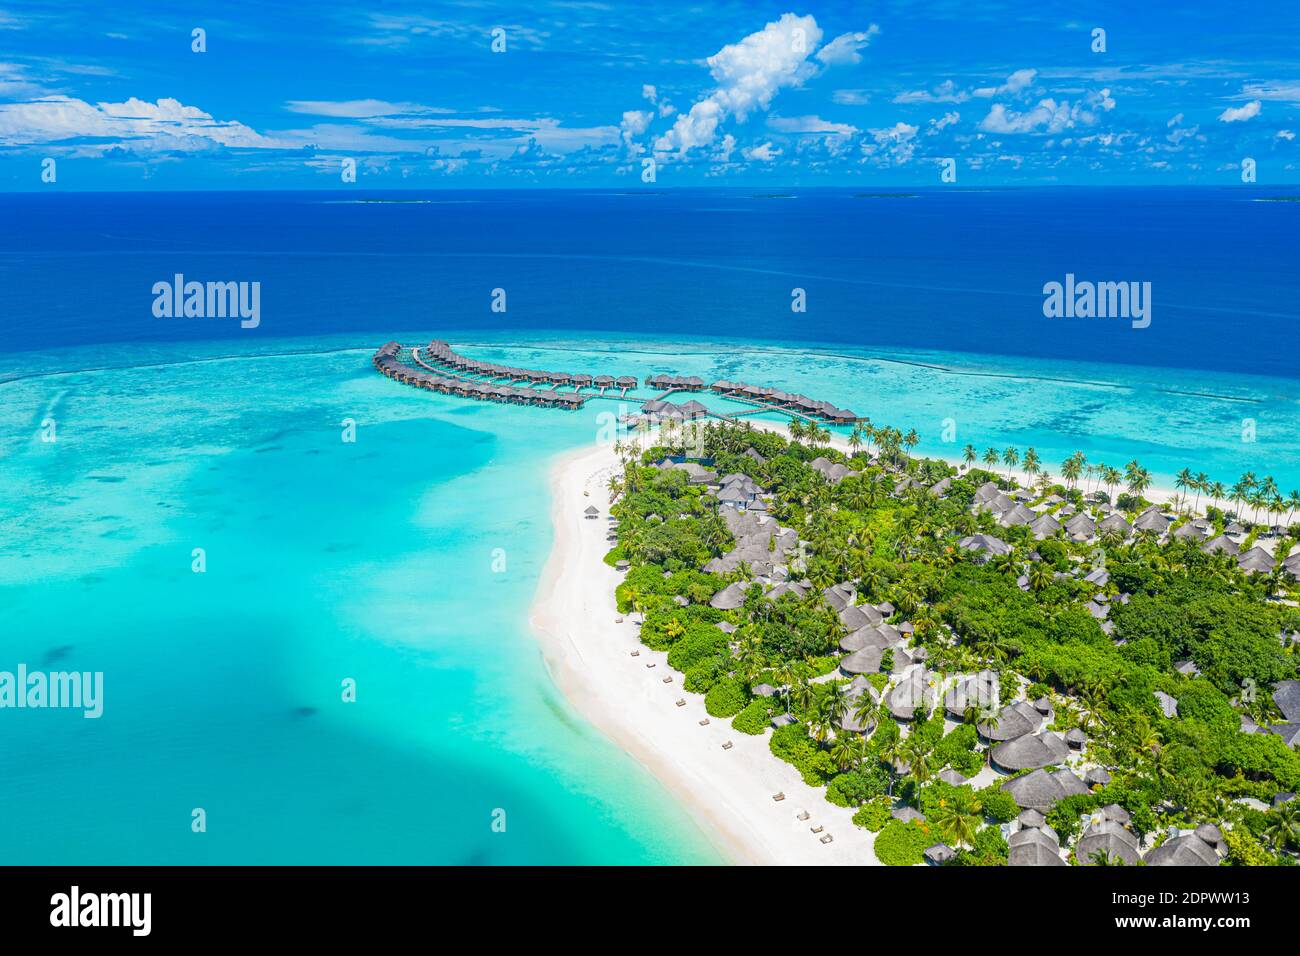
(729, 792)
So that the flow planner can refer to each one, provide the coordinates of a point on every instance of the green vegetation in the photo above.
(1029, 615)
(903, 844)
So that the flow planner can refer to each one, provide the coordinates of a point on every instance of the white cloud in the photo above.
(166, 124)
(810, 124)
(649, 92)
(1239, 114)
(1048, 116)
(851, 97)
(896, 141)
(360, 109)
(1285, 134)
(1175, 120)
(749, 74)
(635, 122)
(1287, 93)
(945, 92)
(765, 153)
(948, 92)
(1016, 82)
(846, 47)
(943, 122)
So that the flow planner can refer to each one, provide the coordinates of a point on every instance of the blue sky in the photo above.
(587, 93)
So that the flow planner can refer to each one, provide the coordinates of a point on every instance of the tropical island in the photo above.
(981, 672)
(964, 662)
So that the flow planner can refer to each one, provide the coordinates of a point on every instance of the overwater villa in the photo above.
(442, 369)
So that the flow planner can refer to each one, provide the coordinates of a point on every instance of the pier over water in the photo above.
(440, 368)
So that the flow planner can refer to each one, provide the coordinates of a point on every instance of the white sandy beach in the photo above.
(1154, 494)
(590, 658)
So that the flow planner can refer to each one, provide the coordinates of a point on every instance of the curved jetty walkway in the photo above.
(442, 369)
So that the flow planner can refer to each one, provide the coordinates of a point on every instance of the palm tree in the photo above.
(803, 693)
(1031, 461)
(958, 820)
(1041, 576)
(1202, 483)
(969, 455)
(787, 674)
(1139, 481)
(1111, 478)
(1071, 468)
(843, 751)
(1010, 458)
(865, 710)
(796, 428)
(1284, 825)
(836, 702)
(920, 763)
(1217, 491)
(991, 457)
(990, 720)
(855, 438)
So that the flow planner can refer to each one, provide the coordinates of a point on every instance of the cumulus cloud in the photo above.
(943, 122)
(1048, 116)
(945, 92)
(847, 47)
(764, 153)
(750, 73)
(949, 92)
(1016, 82)
(896, 142)
(635, 122)
(1239, 114)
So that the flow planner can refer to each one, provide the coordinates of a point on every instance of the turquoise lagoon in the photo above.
(374, 560)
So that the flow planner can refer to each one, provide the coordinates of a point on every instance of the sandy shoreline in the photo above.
(1155, 494)
(589, 656)
(728, 792)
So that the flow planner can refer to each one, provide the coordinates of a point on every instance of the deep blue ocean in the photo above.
(939, 269)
